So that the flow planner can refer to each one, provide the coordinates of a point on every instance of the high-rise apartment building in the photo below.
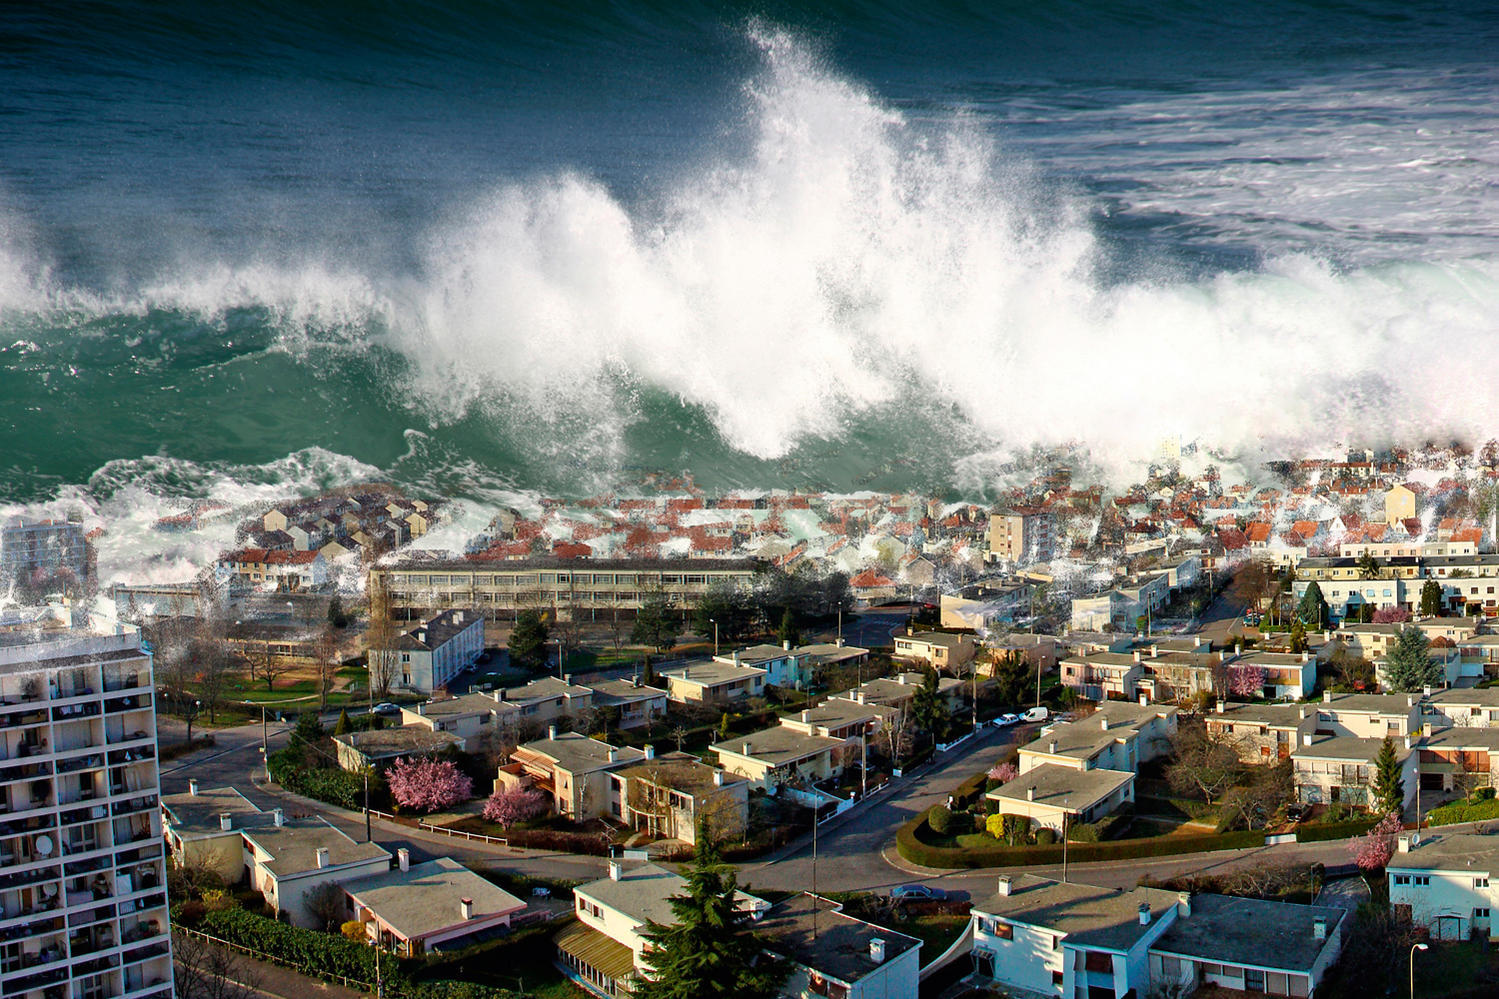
(45, 547)
(83, 903)
(1022, 536)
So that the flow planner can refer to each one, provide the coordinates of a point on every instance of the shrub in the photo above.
(1081, 833)
(1045, 836)
(1318, 832)
(1483, 794)
(329, 784)
(306, 950)
(959, 824)
(1464, 811)
(940, 819)
(970, 791)
(994, 825)
(509, 806)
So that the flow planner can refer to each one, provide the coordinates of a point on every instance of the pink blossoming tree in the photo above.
(1391, 615)
(1003, 772)
(1373, 851)
(427, 785)
(1246, 681)
(508, 806)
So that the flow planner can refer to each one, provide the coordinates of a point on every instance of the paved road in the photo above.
(1224, 616)
(872, 629)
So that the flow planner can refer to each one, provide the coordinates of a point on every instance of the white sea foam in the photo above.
(845, 259)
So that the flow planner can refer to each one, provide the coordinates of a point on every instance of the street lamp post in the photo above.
(714, 622)
(1414, 948)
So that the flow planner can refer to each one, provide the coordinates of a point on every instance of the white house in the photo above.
(1248, 945)
(1442, 882)
(427, 908)
(290, 860)
(434, 652)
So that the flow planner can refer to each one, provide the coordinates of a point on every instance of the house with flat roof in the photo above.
(1340, 768)
(636, 703)
(944, 651)
(202, 828)
(714, 682)
(290, 860)
(1248, 945)
(773, 756)
(1101, 676)
(1441, 881)
(833, 953)
(1458, 759)
(1288, 675)
(573, 769)
(1058, 797)
(783, 665)
(897, 691)
(546, 699)
(1050, 938)
(666, 795)
(1461, 707)
(1261, 733)
(1368, 716)
(429, 908)
(832, 654)
(1118, 736)
(466, 716)
(357, 750)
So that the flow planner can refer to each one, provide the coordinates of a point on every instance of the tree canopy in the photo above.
(528, 640)
(1312, 610)
(1409, 667)
(654, 625)
(710, 950)
(927, 709)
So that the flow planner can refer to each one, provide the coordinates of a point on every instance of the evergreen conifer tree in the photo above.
(927, 709)
(710, 952)
(528, 640)
(343, 725)
(1312, 610)
(1431, 597)
(1388, 788)
(1408, 667)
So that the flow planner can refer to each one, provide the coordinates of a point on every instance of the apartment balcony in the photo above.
(133, 806)
(130, 702)
(24, 770)
(124, 681)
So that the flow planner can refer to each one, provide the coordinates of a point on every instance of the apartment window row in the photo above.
(1413, 880)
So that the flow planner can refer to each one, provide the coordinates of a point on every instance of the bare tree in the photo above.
(175, 675)
(380, 639)
(1203, 762)
(204, 971)
(679, 735)
(214, 664)
(325, 903)
(265, 665)
(325, 652)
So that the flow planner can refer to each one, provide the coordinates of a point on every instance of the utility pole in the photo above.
(1064, 841)
(264, 746)
(368, 835)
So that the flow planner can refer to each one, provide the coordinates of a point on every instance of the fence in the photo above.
(429, 827)
(328, 976)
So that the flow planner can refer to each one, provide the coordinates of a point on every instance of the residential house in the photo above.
(546, 699)
(636, 703)
(1118, 736)
(202, 829)
(944, 651)
(897, 691)
(835, 955)
(358, 750)
(1057, 797)
(604, 950)
(822, 654)
(1458, 759)
(290, 860)
(1100, 676)
(573, 770)
(281, 570)
(1340, 768)
(869, 587)
(780, 755)
(666, 796)
(1446, 661)
(1441, 881)
(1247, 945)
(467, 716)
(1262, 733)
(783, 666)
(1461, 707)
(1368, 716)
(429, 908)
(1288, 675)
(438, 649)
(1050, 938)
(713, 683)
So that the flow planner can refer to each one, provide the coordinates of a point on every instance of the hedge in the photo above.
(328, 784)
(306, 950)
(1317, 832)
(912, 847)
(1464, 811)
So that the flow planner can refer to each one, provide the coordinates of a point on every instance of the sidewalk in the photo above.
(284, 983)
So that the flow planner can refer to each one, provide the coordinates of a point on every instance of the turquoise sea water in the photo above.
(487, 246)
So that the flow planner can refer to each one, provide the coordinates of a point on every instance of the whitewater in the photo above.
(834, 285)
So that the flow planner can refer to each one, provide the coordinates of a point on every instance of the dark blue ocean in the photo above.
(483, 248)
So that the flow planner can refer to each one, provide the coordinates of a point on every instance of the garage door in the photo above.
(1431, 782)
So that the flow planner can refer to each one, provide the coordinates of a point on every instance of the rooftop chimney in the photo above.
(466, 907)
(1410, 700)
(1305, 656)
(718, 778)
(785, 645)
(1426, 730)
(192, 787)
(613, 755)
(1326, 636)
(1144, 700)
(1184, 904)
(278, 816)
(1407, 742)
(1319, 929)
(1103, 722)
(616, 869)
(226, 821)
(322, 857)
(1003, 887)
(551, 731)
(458, 617)
(1196, 641)
(1137, 655)
(877, 950)
(1220, 705)
(806, 716)
(746, 748)
(421, 636)
(1238, 649)
(1051, 747)
(650, 751)
(1426, 690)
(1154, 650)
(403, 858)
(1306, 738)
(1144, 913)
(1030, 793)
(1326, 697)
(1403, 844)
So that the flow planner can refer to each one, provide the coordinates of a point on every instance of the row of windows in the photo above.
(1412, 880)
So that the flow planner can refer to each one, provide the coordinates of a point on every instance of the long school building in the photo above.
(591, 590)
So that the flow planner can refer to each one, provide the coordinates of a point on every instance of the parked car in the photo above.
(1005, 721)
(1035, 714)
(1295, 812)
(908, 893)
(387, 708)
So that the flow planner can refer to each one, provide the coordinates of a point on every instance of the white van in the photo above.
(1035, 715)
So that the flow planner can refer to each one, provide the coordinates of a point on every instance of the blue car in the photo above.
(907, 893)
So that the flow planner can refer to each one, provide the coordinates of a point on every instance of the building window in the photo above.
(1481, 913)
(1480, 882)
(1003, 931)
